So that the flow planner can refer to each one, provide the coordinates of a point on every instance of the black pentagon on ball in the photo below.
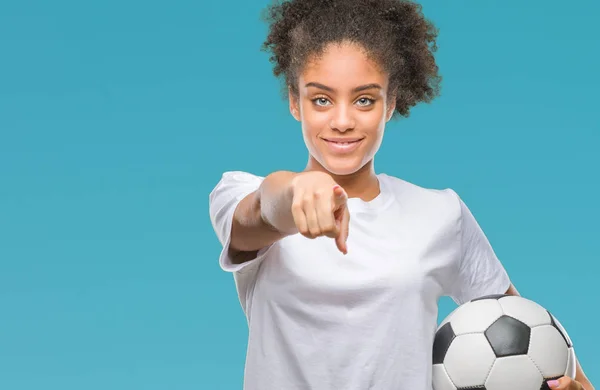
(441, 343)
(508, 336)
(555, 325)
(492, 296)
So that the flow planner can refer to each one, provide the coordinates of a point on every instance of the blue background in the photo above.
(118, 117)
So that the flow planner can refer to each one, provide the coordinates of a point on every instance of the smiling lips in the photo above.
(342, 144)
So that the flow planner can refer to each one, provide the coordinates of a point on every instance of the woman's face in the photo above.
(343, 109)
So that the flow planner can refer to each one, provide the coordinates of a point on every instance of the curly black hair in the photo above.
(393, 32)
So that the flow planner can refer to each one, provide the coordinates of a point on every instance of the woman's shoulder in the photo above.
(233, 177)
(233, 183)
(240, 175)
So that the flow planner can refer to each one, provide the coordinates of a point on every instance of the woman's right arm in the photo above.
(287, 203)
(263, 217)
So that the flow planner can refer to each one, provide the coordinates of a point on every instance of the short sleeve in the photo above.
(223, 200)
(480, 272)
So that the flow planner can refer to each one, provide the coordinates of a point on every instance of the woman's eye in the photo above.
(365, 101)
(321, 101)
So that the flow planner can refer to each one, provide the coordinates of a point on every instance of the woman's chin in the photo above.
(342, 167)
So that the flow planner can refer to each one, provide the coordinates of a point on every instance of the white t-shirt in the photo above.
(321, 320)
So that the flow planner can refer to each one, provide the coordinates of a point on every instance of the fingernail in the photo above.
(552, 383)
(335, 187)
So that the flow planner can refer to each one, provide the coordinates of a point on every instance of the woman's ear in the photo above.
(391, 106)
(294, 105)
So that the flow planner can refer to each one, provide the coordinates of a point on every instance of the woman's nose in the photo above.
(342, 119)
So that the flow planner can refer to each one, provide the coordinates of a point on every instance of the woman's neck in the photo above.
(361, 184)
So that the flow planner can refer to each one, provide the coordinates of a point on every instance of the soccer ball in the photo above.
(500, 342)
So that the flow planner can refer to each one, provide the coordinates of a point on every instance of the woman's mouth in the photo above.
(342, 144)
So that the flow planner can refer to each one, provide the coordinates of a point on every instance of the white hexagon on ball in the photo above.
(548, 350)
(514, 372)
(441, 380)
(527, 311)
(476, 316)
(469, 360)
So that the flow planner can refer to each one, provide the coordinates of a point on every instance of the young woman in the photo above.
(338, 268)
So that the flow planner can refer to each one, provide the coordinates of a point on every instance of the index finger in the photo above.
(342, 238)
(339, 195)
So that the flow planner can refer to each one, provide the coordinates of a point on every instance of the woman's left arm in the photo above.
(564, 383)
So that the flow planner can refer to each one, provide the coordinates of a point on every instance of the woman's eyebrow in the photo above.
(357, 89)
